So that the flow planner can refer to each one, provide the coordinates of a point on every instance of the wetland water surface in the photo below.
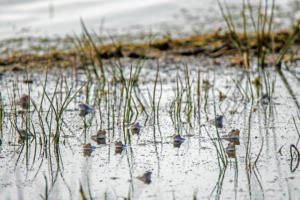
(260, 164)
(28, 18)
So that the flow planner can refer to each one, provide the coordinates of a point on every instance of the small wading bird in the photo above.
(233, 134)
(24, 133)
(135, 126)
(218, 121)
(119, 145)
(145, 178)
(23, 102)
(265, 99)
(178, 138)
(86, 108)
(88, 146)
(100, 135)
(88, 149)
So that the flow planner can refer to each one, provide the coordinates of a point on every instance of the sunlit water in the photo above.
(182, 172)
(59, 18)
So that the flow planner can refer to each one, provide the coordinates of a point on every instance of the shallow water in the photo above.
(178, 171)
(29, 18)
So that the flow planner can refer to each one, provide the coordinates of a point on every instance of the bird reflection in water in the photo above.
(119, 150)
(135, 131)
(83, 113)
(177, 144)
(87, 152)
(230, 150)
(100, 141)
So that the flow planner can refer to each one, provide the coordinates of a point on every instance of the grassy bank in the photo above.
(212, 45)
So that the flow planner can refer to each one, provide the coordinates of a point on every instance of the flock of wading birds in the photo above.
(232, 137)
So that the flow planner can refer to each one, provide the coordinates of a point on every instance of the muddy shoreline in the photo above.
(214, 45)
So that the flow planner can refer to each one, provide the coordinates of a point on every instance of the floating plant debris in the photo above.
(232, 112)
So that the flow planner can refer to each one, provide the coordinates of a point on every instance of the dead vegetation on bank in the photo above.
(212, 45)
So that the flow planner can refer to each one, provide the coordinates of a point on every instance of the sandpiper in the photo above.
(24, 133)
(145, 178)
(88, 146)
(265, 99)
(100, 135)
(234, 133)
(218, 121)
(177, 138)
(119, 145)
(85, 108)
(135, 126)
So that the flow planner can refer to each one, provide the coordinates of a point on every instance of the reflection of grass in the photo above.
(219, 183)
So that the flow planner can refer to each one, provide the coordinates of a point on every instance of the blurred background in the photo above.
(58, 18)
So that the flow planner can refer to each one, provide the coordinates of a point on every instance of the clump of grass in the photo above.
(263, 32)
